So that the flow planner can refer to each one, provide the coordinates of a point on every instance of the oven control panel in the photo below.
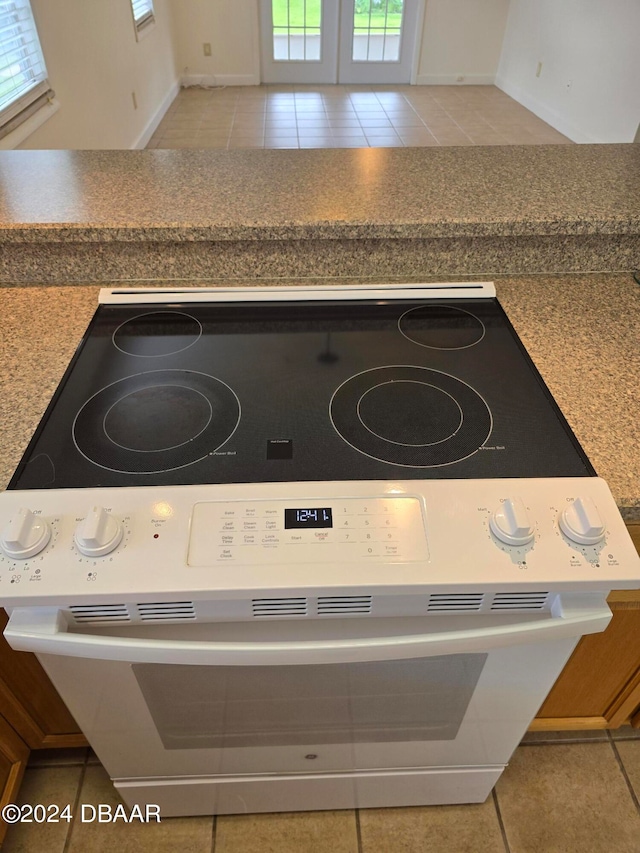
(253, 541)
(258, 532)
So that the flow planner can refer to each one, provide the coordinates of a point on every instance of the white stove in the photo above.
(304, 548)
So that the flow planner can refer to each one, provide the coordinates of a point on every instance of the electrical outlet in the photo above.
(206, 47)
(539, 69)
(135, 100)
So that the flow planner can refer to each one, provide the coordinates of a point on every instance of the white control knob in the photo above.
(25, 535)
(98, 534)
(582, 523)
(511, 524)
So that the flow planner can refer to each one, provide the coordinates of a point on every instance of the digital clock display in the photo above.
(305, 518)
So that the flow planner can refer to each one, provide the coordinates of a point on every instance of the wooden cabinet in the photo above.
(600, 685)
(14, 754)
(28, 702)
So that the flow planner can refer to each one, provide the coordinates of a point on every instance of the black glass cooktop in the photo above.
(331, 390)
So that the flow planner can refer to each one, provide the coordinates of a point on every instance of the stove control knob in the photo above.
(582, 523)
(511, 524)
(98, 534)
(25, 535)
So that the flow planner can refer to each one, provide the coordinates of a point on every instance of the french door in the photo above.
(338, 41)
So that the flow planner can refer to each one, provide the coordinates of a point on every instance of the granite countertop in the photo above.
(582, 331)
(191, 195)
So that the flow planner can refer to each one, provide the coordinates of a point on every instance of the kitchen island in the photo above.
(72, 216)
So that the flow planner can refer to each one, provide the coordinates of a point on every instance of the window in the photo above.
(142, 14)
(24, 87)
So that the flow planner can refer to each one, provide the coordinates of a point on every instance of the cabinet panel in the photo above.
(14, 754)
(30, 704)
(600, 685)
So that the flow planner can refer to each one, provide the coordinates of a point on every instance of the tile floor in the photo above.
(564, 792)
(348, 117)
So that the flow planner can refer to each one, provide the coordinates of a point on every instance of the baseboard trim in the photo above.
(147, 133)
(559, 724)
(455, 80)
(555, 119)
(217, 80)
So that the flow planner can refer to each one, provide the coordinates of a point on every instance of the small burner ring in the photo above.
(156, 334)
(371, 407)
(441, 327)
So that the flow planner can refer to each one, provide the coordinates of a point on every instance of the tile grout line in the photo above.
(623, 770)
(358, 831)
(76, 802)
(503, 831)
(214, 830)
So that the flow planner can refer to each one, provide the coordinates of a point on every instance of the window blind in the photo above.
(142, 12)
(24, 87)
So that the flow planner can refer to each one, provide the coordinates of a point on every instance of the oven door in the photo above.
(326, 696)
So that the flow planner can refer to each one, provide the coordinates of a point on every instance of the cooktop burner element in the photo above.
(410, 416)
(157, 333)
(441, 327)
(333, 384)
(156, 421)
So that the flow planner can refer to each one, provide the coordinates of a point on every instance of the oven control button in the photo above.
(582, 523)
(25, 535)
(98, 534)
(510, 524)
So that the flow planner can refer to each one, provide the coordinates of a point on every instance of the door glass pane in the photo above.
(377, 26)
(213, 707)
(296, 30)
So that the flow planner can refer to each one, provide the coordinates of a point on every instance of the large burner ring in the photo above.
(410, 416)
(159, 420)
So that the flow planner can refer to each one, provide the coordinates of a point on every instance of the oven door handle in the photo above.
(46, 631)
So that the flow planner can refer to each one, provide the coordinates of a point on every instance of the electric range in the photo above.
(305, 548)
(233, 429)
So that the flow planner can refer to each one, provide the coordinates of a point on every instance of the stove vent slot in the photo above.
(164, 610)
(279, 607)
(83, 614)
(519, 600)
(454, 602)
(343, 605)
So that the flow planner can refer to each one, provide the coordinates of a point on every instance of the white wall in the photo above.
(462, 38)
(94, 64)
(231, 28)
(589, 85)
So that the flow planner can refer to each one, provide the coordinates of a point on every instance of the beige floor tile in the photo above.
(569, 798)
(47, 786)
(185, 834)
(629, 752)
(349, 142)
(295, 832)
(247, 110)
(384, 141)
(282, 142)
(432, 829)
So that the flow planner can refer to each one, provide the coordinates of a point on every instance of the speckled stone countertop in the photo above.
(585, 345)
(325, 212)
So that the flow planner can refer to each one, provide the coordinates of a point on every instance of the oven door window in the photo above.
(214, 707)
